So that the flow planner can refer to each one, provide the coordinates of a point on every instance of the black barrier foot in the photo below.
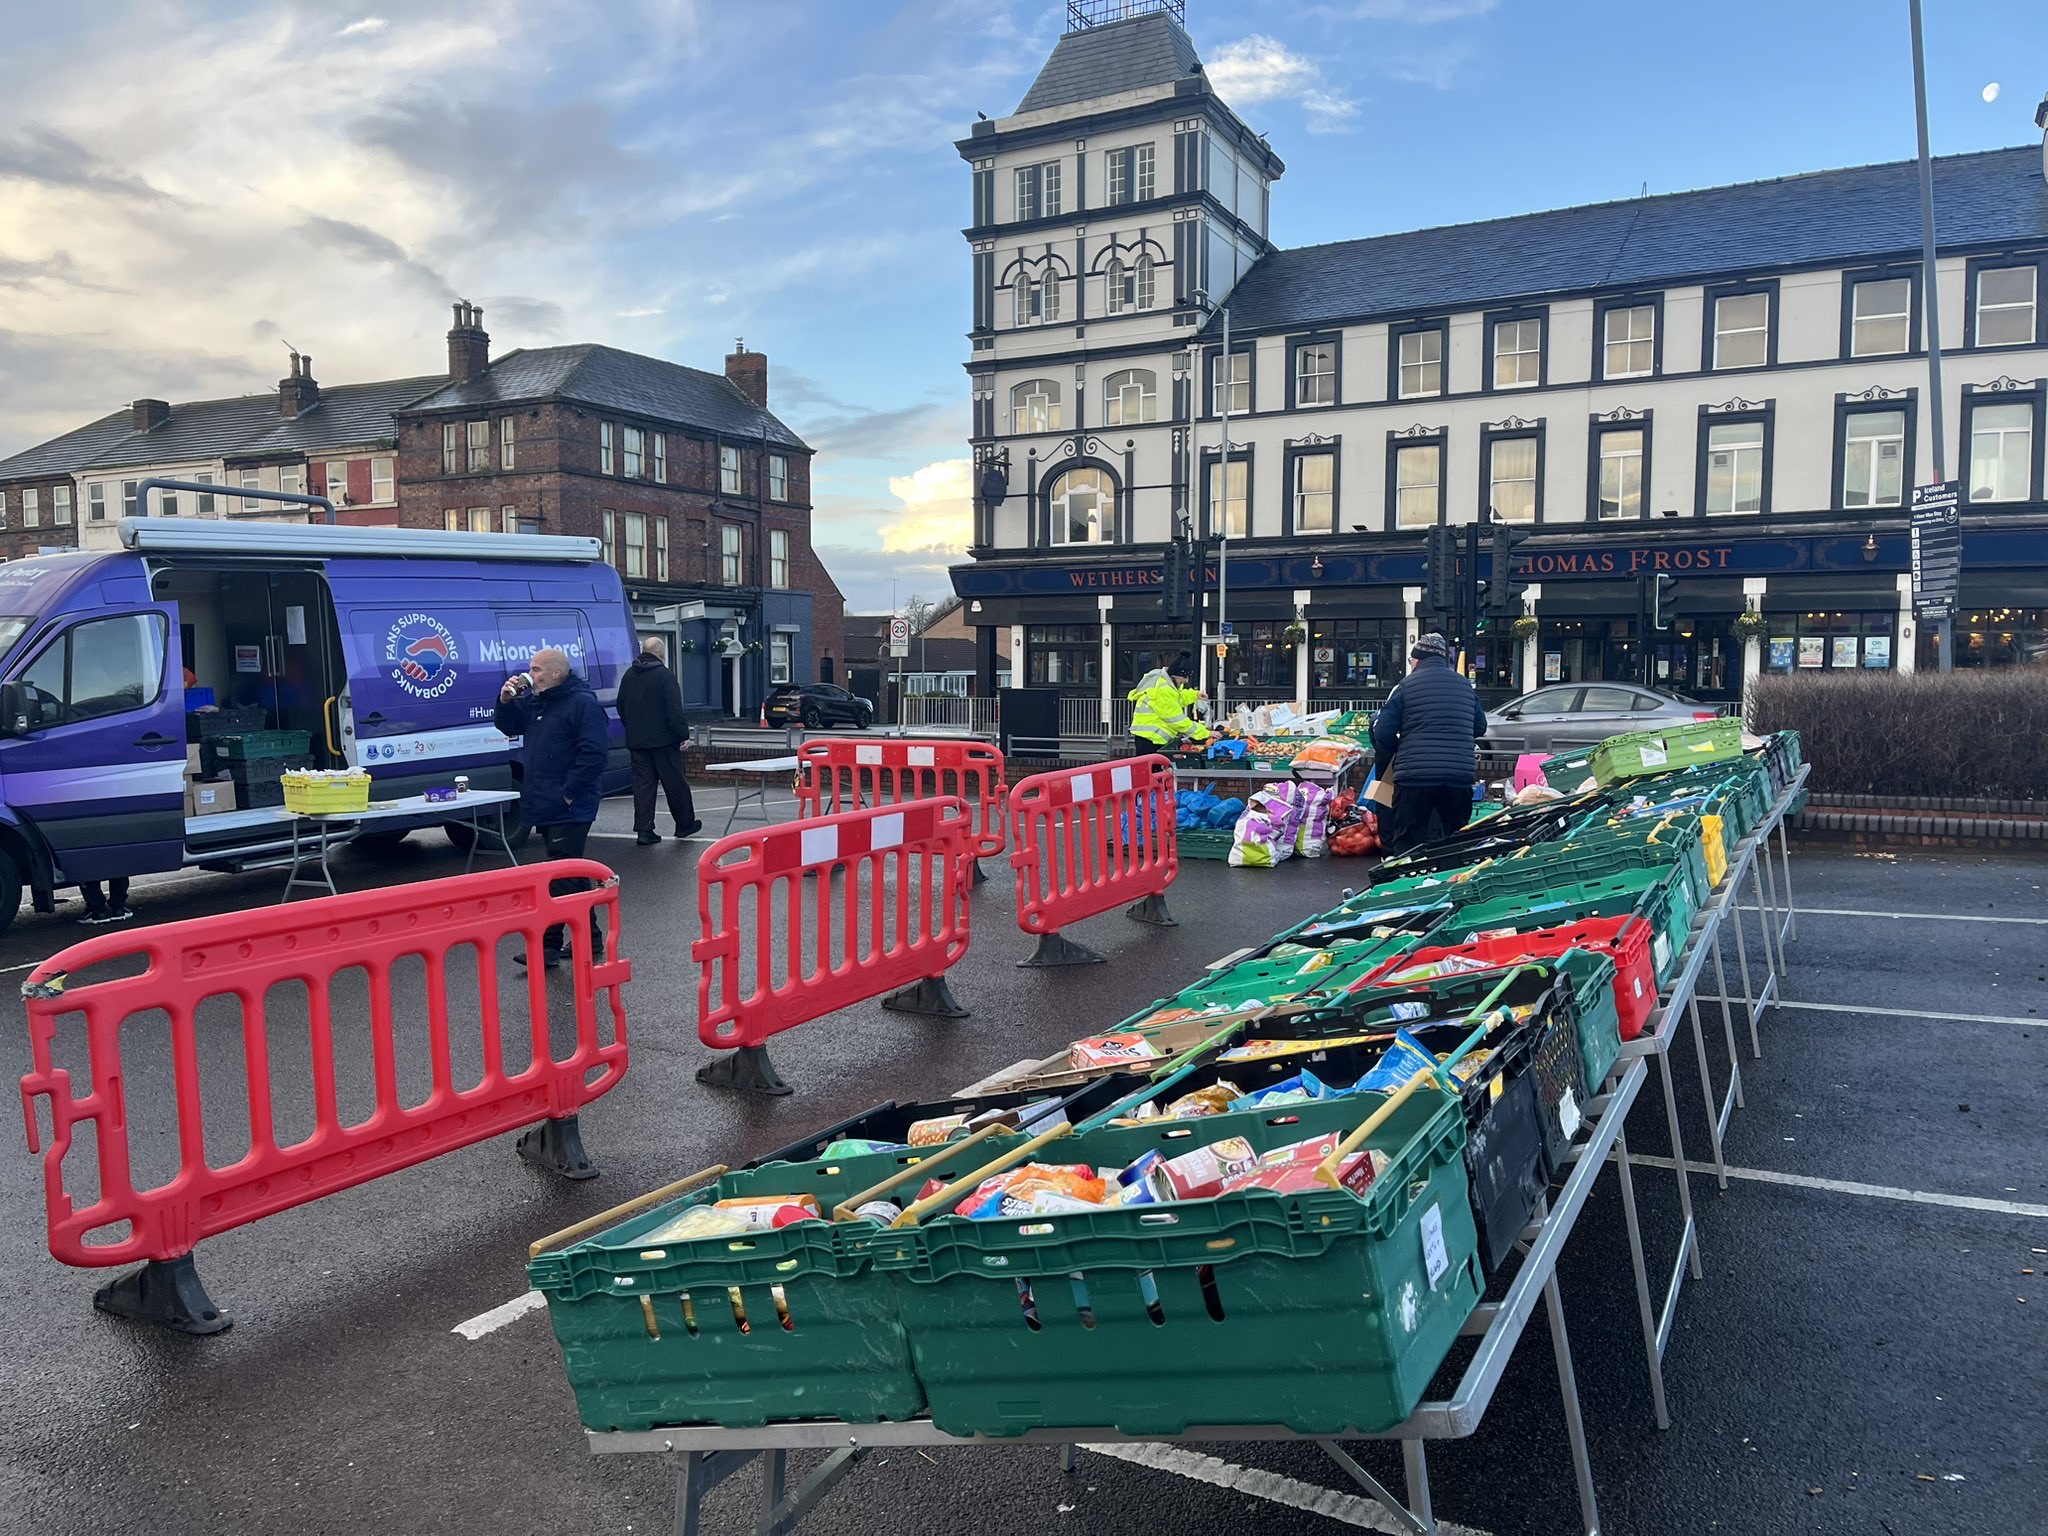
(748, 1069)
(980, 874)
(557, 1146)
(931, 996)
(164, 1293)
(1152, 910)
(1058, 949)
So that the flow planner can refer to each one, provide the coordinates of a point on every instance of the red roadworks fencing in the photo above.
(240, 959)
(835, 776)
(802, 919)
(1083, 840)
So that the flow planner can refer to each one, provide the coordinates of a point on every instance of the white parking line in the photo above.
(1350, 1509)
(490, 1322)
(1925, 917)
(1869, 1191)
(1889, 1013)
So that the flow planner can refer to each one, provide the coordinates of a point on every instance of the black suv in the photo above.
(816, 706)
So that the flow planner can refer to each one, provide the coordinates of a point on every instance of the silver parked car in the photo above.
(1568, 715)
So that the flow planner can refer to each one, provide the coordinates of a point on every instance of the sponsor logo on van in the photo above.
(421, 653)
(520, 652)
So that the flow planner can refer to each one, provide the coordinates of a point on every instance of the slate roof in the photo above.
(1126, 55)
(1994, 197)
(241, 427)
(608, 379)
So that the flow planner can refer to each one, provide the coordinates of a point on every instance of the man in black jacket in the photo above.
(566, 744)
(1427, 735)
(651, 710)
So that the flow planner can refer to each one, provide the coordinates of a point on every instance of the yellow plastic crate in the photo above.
(1715, 845)
(326, 797)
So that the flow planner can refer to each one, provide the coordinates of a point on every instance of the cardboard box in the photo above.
(192, 769)
(211, 797)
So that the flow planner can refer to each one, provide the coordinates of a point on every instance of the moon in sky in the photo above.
(1991, 91)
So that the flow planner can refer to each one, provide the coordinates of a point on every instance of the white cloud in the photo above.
(1261, 68)
(638, 314)
(1422, 13)
(364, 27)
(937, 511)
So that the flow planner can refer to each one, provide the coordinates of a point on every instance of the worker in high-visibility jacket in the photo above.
(1161, 718)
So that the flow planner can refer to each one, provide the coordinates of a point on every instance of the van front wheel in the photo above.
(463, 835)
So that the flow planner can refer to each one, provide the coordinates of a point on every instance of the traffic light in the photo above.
(1440, 569)
(1174, 576)
(1503, 592)
(1661, 587)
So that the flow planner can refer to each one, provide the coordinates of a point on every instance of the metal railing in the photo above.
(978, 716)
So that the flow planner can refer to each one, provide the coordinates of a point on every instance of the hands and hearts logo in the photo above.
(422, 655)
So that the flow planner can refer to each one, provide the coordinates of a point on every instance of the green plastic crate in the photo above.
(1676, 841)
(651, 1335)
(252, 744)
(1325, 1312)
(1614, 880)
(1678, 746)
(1204, 842)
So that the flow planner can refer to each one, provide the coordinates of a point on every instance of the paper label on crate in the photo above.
(819, 844)
(923, 757)
(1653, 757)
(1435, 1257)
(1084, 786)
(1119, 780)
(888, 831)
(1661, 948)
(1568, 1115)
(867, 754)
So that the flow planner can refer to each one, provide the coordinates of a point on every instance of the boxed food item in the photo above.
(211, 798)
(1120, 1050)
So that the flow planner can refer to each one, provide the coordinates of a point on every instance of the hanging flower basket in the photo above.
(1750, 624)
(753, 647)
(1523, 628)
(686, 647)
(1294, 634)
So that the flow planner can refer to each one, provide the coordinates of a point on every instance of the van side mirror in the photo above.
(17, 710)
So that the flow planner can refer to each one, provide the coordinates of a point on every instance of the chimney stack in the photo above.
(296, 392)
(749, 371)
(147, 415)
(469, 345)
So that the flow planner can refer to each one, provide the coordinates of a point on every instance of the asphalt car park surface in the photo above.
(1857, 1358)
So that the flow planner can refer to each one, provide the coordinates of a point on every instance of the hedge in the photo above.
(1915, 735)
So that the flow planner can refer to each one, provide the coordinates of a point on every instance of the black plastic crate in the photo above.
(234, 720)
(260, 780)
(1504, 1131)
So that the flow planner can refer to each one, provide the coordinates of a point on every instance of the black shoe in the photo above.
(691, 830)
(648, 839)
(550, 959)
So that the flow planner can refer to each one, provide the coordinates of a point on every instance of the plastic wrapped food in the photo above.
(699, 1221)
(1406, 1058)
(1014, 1191)
(762, 1211)
(854, 1146)
(1302, 1088)
(1261, 1050)
(1112, 1051)
(1216, 1099)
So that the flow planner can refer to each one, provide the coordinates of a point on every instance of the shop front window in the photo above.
(1831, 641)
(1356, 657)
(1063, 655)
(1141, 647)
(1999, 637)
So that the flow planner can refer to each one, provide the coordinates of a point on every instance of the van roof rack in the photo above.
(215, 537)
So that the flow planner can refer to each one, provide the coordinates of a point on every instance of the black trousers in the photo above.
(1423, 813)
(662, 765)
(566, 840)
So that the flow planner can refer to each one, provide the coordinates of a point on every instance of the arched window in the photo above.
(1113, 286)
(1035, 406)
(1143, 283)
(1083, 508)
(1025, 292)
(1049, 294)
(1130, 397)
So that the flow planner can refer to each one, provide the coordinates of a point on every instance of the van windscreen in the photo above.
(11, 630)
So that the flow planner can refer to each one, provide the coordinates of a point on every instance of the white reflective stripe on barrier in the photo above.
(888, 831)
(865, 754)
(1084, 786)
(821, 843)
(923, 757)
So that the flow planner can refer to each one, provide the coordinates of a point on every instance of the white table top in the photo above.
(756, 765)
(410, 805)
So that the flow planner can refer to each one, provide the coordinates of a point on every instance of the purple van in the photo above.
(381, 648)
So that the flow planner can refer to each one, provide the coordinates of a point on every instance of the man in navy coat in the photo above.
(566, 745)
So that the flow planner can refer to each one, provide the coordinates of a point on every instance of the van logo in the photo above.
(421, 653)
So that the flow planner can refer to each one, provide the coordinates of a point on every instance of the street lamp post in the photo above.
(1201, 298)
(1944, 629)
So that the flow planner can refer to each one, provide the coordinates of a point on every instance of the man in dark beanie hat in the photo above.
(1426, 737)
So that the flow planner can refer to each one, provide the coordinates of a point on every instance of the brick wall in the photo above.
(17, 541)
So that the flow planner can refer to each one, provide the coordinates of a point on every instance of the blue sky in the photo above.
(186, 187)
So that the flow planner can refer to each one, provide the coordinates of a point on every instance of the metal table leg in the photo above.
(293, 879)
(1415, 1467)
(1678, 1160)
(1574, 1421)
(1645, 1307)
(1728, 1010)
(1791, 930)
(1717, 1114)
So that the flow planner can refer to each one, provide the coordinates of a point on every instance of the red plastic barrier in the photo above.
(241, 956)
(1625, 940)
(1083, 840)
(836, 776)
(802, 919)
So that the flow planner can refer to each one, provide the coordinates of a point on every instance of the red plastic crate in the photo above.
(1625, 939)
